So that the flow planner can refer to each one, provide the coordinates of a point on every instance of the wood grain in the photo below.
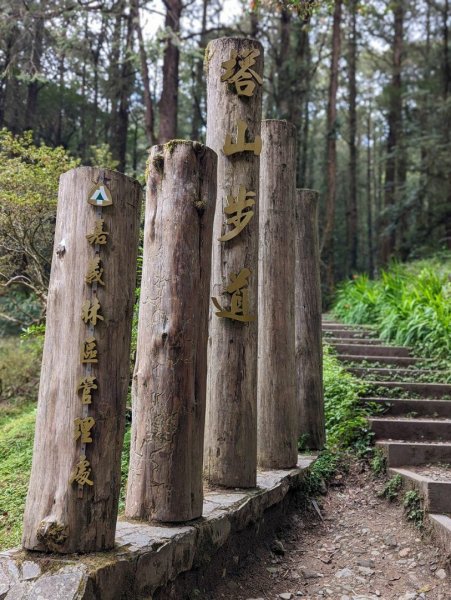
(277, 414)
(56, 519)
(231, 420)
(309, 353)
(165, 477)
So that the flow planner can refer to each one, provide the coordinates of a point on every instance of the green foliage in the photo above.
(29, 178)
(124, 467)
(392, 488)
(412, 507)
(321, 472)
(102, 157)
(16, 447)
(410, 305)
(346, 423)
(378, 462)
(20, 363)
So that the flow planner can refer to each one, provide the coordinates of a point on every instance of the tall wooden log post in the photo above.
(309, 356)
(75, 479)
(277, 411)
(169, 382)
(234, 69)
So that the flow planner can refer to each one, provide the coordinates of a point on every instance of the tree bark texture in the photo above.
(61, 516)
(351, 216)
(277, 430)
(169, 95)
(394, 166)
(327, 245)
(169, 382)
(309, 357)
(231, 420)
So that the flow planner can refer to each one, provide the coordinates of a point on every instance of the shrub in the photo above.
(409, 305)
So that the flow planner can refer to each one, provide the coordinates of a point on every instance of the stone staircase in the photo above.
(412, 420)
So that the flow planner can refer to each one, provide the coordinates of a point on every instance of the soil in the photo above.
(362, 548)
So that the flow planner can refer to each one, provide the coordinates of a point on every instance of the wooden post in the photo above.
(277, 411)
(309, 354)
(165, 476)
(233, 131)
(75, 479)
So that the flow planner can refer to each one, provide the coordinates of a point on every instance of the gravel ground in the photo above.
(362, 549)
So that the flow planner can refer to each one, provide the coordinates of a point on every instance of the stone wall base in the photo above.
(153, 562)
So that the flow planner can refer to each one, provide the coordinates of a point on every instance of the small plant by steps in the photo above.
(413, 509)
(392, 488)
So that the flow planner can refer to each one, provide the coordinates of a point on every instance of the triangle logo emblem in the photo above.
(100, 195)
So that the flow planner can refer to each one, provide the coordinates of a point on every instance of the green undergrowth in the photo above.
(347, 434)
(408, 305)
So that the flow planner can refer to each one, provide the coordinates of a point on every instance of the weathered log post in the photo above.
(165, 476)
(277, 411)
(234, 69)
(309, 354)
(75, 479)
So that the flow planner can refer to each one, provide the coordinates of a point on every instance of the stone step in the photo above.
(404, 406)
(401, 453)
(389, 360)
(433, 483)
(354, 341)
(331, 325)
(387, 372)
(425, 390)
(369, 350)
(349, 333)
(441, 526)
(399, 428)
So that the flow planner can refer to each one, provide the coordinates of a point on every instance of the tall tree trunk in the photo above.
(147, 96)
(394, 169)
(198, 87)
(351, 212)
(33, 71)
(369, 203)
(284, 83)
(327, 245)
(124, 88)
(169, 95)
(446, 89)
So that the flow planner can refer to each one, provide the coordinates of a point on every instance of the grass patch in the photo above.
(409, 305)
(16, 448)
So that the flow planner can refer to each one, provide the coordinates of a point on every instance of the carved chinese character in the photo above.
(81, 472)
(90, 312)
(89, 351)
(239, 72)
(238, 207)
(241, 145)
(239, 308)
(95, 271)
(83, 429)
(86, 385)
(98, 236)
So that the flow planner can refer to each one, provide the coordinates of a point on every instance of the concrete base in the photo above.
(148, 557)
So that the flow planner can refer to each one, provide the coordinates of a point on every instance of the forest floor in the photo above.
(362, 549)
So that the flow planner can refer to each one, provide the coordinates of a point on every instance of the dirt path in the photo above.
(363, 549)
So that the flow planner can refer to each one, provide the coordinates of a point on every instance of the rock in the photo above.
(366, 563)
(30, 570)
(404, 552)
(390, 541)
(365, 571)
(286, 596)
(310, 574)
(342, 573)
(441, 574)
(408, 596)
(278, 548)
